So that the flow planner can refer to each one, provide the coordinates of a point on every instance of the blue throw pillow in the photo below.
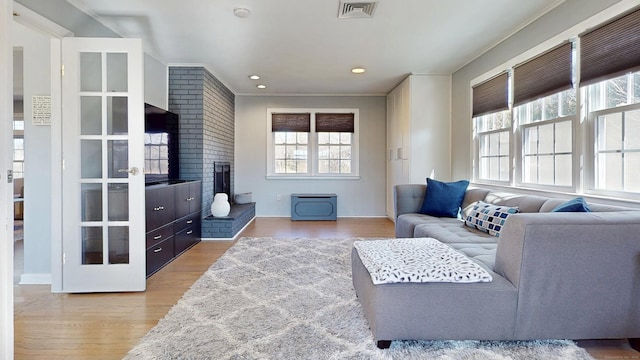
(443, 199)
(574, 205)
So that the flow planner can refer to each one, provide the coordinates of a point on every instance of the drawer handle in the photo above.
(189, 232)
(158, 208)
(157, 250)
(190, 198)
(189, 221)
(157, 237)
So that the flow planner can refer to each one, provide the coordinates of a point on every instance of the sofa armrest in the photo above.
(408, 198)
(581, 269)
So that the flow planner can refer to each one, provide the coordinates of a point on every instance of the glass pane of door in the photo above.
(104, 133)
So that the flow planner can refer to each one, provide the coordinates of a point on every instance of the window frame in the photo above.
(313, 146)
(591, 155)
(477, 157)
(520, 144)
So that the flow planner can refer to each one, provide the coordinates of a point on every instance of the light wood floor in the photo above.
(107, 326)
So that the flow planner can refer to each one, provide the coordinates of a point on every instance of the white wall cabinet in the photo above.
(418, 132)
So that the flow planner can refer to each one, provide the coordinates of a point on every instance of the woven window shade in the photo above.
(543, 75)
(331, 122)
(491, 95)
(291, 122)
(610, 50)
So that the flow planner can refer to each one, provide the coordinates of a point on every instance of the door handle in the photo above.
(133, 171)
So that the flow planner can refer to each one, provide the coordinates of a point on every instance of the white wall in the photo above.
(363, 197)
(6, 190)
(156, 78)
(563, 17)
(37, 140)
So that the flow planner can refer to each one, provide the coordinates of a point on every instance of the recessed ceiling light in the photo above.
(261, 86)
(358, 70)
(241, 12)
(254, 77)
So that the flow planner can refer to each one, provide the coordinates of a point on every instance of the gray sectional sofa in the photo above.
(555, 275)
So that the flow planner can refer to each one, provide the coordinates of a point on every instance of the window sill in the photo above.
(312, 177)
(589, 196)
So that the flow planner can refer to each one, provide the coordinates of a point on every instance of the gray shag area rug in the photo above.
(269, 298)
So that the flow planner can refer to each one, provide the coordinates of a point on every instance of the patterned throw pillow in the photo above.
(489, 218)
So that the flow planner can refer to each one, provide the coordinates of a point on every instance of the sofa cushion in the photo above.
(453, 232)
(406, 223)
(482, 253)
(574, 205)
(443, 199)
(489, 218)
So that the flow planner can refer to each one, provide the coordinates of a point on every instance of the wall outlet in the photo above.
(278, 197)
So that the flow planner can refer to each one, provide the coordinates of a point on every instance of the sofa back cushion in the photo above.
(525, 203)
(553, 203)
(471, 197)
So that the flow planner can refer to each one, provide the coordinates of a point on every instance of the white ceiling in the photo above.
(301, 47)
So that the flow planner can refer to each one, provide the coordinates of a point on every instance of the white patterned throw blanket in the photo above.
(417, 260)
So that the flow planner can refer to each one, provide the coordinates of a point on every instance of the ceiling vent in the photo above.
(356, 9)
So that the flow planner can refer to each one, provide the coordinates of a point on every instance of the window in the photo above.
(564, 137)
(493, 139)
(609, 66)
(291, 152)
(614, 115)
(312, 143)
(335, 142)
(492, 121)
(547, 139)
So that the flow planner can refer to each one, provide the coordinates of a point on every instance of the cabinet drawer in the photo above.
(156, 236)
(186, 238)
(159, 255)
(189, 221)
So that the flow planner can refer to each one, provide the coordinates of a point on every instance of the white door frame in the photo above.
(56, 32)
(6, 196)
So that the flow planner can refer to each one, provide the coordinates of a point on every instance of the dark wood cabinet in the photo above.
(172, 221)
(188, 199)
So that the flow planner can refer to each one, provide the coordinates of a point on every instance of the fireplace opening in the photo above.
(222, 178)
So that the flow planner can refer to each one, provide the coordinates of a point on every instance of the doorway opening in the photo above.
(18, 163)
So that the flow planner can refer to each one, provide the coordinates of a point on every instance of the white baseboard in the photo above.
(35, 279)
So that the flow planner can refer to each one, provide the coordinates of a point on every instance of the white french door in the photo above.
(103, 235)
